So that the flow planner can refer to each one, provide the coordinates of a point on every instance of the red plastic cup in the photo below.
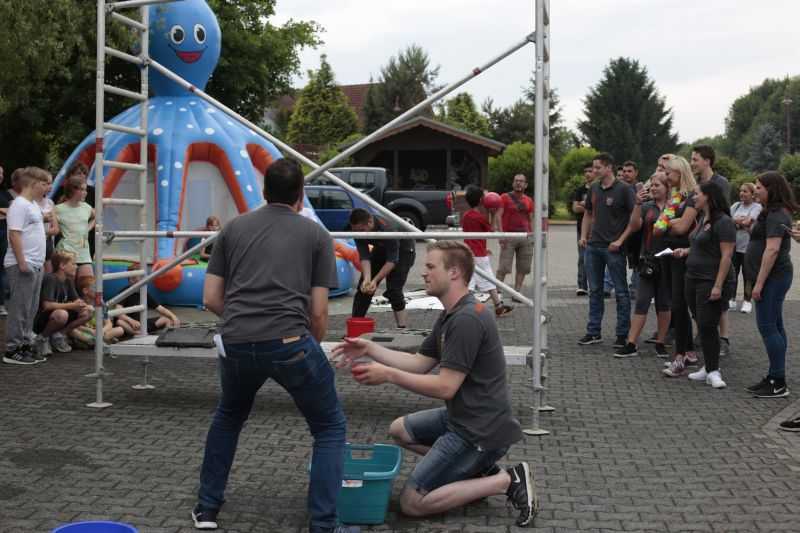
(357, 326)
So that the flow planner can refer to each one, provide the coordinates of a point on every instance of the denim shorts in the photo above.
(451, 457)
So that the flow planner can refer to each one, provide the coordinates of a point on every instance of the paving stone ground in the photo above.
(628, 451)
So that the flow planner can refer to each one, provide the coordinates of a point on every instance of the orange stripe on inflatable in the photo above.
(260, 157)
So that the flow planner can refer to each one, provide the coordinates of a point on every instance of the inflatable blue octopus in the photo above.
(182, 128)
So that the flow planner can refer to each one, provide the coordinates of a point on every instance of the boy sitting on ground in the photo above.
(85, 334)
(60, 308)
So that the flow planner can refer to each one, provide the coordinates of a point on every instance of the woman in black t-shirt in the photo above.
(709, 277)
(769, 267)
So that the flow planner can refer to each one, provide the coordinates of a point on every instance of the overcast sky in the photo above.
(702, 54)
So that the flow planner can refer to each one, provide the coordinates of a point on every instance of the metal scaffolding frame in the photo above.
(539, 303)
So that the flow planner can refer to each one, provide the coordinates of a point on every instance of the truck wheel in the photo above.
(411, 217)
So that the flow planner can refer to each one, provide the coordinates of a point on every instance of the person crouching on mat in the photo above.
(131, 323)
(86, 333)
(389, 259)
(460, 444)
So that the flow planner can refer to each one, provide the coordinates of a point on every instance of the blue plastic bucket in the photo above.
(369, 471)
(96, 526)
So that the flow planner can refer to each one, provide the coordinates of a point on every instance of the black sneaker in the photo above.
(653, 339)
(793, 424)
(204, 518)
(18, 356)
(522, 494)
(590, 339)
(760, 385)
(774, 388)
(661, 351)
(629, 350)
(724, 347)
(621, 341)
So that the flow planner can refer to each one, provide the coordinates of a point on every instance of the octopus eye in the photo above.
(177, 34)
(199, 33)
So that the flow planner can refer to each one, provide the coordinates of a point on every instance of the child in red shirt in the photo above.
(475, 220)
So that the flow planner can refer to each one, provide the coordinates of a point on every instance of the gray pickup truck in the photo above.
(419, 207)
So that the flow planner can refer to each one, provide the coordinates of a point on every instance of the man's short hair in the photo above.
(60, 258)
(605, 158)
(456, 254)
(706, 152)
(588, 166)
(630, 163)
(473, 195)
(283, 182)
(359, 216)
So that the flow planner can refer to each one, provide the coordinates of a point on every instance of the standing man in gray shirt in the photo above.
(607, 223)
(462, 441)
(271, 291)
(703, 159)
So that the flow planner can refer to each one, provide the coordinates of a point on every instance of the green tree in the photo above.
(790, 168)
(574, 161)
(404, 81)
(766, 149)
(626, 116)
(510, 124)
(763, 104)
(517, 158)
(460, 112)
(47, 86)
(322, 115)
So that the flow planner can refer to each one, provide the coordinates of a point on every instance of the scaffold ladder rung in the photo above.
(127, 4)
(135, 24)
(124, 56)
(124, 129)
(124, 274)
(124, 92)
(125, 310)
(124, 166)
(124, 201)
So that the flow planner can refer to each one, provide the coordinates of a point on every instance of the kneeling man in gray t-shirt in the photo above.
(461, 442)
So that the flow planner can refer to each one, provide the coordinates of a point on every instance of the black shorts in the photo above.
(42, 317)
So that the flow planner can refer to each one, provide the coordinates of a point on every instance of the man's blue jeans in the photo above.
(597, 259)
(302, 369)
(769, 318)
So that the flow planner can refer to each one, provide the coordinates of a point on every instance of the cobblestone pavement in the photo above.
(628, 449)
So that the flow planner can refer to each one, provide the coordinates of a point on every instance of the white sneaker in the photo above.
(3, 310)
(700, 375)
(60, 343)
(747, 307)
(732, 304)
(715, 380)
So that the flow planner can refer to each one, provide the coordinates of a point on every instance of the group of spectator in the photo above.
(50, 283)
(687, 247)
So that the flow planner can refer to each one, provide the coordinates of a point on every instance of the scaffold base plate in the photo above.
(536, 432)
(99, 405)
(143, 387)
(547, 409)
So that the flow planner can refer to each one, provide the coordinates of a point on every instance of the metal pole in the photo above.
(375, 235)
(541, 204)
(99, 311)
(143, 159)
(338, 181)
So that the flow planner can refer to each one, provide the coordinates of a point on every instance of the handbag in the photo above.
(649, 266)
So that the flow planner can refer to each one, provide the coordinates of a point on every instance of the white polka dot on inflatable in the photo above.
(182, 109)
(190, 126)
(160, 167)
(178, 164)
(249, 188)
(164, 183)
(209, 131)
(238, 172)
(243, 153)
(230, 123)
(158, 131)
(192, 103)
(211, 110)
(189, 274)
(151, 107)
(168, 103)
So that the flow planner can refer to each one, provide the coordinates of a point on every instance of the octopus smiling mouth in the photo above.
(189, 57)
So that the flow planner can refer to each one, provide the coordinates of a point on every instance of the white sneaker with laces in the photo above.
(42, 345)
(715, 380)
(747, 308)
(59, 343)
(700, 375)
(732, 304)
(3, 310)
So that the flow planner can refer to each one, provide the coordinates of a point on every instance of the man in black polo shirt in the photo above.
(461, 442)
(389, 259)
(607, 223)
